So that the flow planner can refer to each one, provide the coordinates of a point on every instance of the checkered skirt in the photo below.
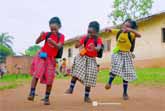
(85, 69)
(43, 69)
(122, 66)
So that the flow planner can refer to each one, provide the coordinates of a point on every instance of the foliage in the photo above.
(124, 9)
(4, 52)
(6, 40)
(32, 50)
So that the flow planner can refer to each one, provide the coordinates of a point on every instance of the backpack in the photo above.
(130, 39)
(100, 52)
(60, 51)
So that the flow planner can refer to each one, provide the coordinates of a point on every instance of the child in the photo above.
(85, 67)
(57, 67)
(64, 66)
(43, 63)
(2, 70)
(122, 64)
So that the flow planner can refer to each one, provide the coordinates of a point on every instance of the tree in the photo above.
(4, 52)
(134, 9)
(32, 50)
(6, 40)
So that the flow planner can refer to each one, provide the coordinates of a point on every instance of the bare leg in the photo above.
(34, 82)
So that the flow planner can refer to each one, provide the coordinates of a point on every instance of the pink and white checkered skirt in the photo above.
(43, 69)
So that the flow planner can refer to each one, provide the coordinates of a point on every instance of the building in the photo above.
(150, 49)
(18, 64)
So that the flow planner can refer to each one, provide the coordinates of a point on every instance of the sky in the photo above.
(25, 19)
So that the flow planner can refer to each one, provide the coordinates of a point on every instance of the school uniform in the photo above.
(85, 67)
(43, 69)
(122, 64)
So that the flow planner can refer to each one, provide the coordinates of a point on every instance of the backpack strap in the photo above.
(59, 36)
(118, 34)
(131, 41)
(95, 40)
(86, 40)
(47, 36)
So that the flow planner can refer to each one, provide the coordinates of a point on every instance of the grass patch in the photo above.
(15, 77)
(10, 81)
(147, 76)
(9, 86)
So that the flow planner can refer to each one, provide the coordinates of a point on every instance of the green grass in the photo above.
(10, 81)
(9, 86)
(15, 77)
(147, 76)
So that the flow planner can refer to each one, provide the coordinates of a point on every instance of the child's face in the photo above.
(126, 25)
(91, 32)
(54, 28)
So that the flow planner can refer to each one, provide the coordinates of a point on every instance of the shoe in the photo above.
(68, 91)
(30, 98)
(125, 97)
(107, 86)
(87, 100)
(46, 101)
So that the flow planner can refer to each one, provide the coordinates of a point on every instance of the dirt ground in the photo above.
(141, 99)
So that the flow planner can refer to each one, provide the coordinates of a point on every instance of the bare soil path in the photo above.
(141, 98)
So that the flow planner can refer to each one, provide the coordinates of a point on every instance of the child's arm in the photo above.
(39, 39)
(80, 42)
(112, 30)
(77, 45)
(137, 34)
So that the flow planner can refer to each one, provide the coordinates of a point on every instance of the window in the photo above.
(163, 35)
(70, 52)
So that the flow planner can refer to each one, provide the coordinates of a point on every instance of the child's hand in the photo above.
(126, 29)
(50, 40)
(41, 34)
(92, 47)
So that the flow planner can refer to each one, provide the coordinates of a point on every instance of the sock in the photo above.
(125, 87)
(111, 78)
(47, 94)
(87, 92)
(72, 85)
(32, 92)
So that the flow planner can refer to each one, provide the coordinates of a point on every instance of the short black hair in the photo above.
(95, 25)
(55, 20)
(132, 22)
